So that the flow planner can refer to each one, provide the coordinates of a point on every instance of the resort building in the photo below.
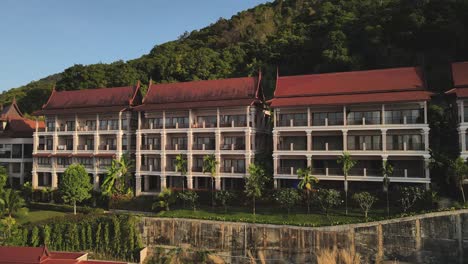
(374, 115)
(460, 92)
(90, 127)
(16, 143)
(224, 118)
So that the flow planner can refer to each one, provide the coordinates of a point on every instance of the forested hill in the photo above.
(297, 36)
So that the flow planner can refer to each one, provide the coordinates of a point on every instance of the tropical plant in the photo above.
(12, 201)
(189, 197)
(165, 199)
(287, 198)
(409, 196)
(181, 166)
(306, 183)
(387, 172)
(255, 183)
(224, 198)
(209, 165)
(27, 191)
(365, 201)
(3, 178)
(118, 179)
(75, 185)
(347, 164)
(327, 199)
(459, 174)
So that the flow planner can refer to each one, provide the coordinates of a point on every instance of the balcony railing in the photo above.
(177, 125)
(65, 128)
(363, 121)
(204, 125)
(233, 169)
(150, 167)
(288, 170)
(327, 146)
(176, 147)
(233, 147)
(292, 122)
(151, 147)
(44, 148)
(109, 127)
(203, 147)
(233, 124)
(64, 147)
(86, 128)
(292, 146)
(107, 147)
(85, 147)
(364, 146)
(152, 126)
(197, 169)
(405, 146)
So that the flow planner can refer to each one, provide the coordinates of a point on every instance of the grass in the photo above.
(37, 215)
(276, 216)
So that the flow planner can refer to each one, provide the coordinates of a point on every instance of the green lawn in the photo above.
(37, 215)
(277, 216)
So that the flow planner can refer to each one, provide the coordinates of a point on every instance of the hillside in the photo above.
(297, 36)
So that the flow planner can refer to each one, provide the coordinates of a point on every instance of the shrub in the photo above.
(365, 201)
(409, 195)
(287, 198)
(189, 197)
(65, 208)
(165, 199)
(327, 199)
(224, 198)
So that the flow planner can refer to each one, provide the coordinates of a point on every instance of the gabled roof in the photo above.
(201, 94)
(17, 126)
(11, 111)
(91, 100)
(460, 80)
(386, 85)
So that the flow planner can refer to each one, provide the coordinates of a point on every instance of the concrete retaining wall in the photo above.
(430, 238)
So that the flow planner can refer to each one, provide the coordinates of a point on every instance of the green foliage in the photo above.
(189, 197)
(347, 164)
(75, 185)
(209, 165)
(34, 241)
(46, 235)
(165, 198)
(3, 178)
(409, 195)
(459, 174)
(327, 199)
(306, 183)
(118, 179)
(223, 198)
(12, 201)
(365, 201)
(287, 198)
(255, 183)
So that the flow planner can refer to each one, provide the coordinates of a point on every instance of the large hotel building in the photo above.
(90, 127)
(374, 115)
(225, 118)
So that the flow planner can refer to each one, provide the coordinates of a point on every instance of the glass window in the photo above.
(15, 167)
(17, 151)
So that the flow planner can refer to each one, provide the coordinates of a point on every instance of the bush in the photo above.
(165, 199)
(224, 198)
(409, 195)
(124, 202)
(365, 201)
(189, 197)
(287, 198)
(328, 198)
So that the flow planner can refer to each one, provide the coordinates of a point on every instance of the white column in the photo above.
(275, 164)
(248, 160)
(248, 116)
(425, 112)
(96, 135)
(247, 141)
(218, 183)
(344, 116)
(96, 181)
(461, 112)
(75, 135)
(309, 140)
(426, 139)
(163, 182)
(275, 140)
(462, 136)
(54, 180)
(309, 116)
(345, 139)
(34, 180)
(384, 140)
(218, 118)
(137, 184)
(383, 114)
(309, 161)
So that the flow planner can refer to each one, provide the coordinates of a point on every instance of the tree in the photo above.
(306, 183)
(209, 165)
(387, 172)
(12, 201)
(365, 201)
(190, 197)
(75, 185)
(459, 173)
(327, 199)
(255, 183)
(181, 166)
(347, 164)
(118, 178)
(224, 198)
(3, 178)
(165, 199)
(287, 198)
(409, 196)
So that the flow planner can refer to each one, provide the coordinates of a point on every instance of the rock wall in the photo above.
(430, 238)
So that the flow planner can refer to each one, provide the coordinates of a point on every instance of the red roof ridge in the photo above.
(137, 88)
(209, 80)
(349, 93)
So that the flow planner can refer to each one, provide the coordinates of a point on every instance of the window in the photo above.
(50, 125)
(299, 119)
(209, 121)
(237, 164)
(90, 143)
(371, 118)
(69, 143)
(91, 124)
(15, 167)
(334, 119)
(238, 120)
(70, 125)
(43, 161)
(154, 123)
(17, 152)
(28, 150)
(358, 142)
(180, 141)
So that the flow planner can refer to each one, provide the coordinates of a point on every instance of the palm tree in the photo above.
(118, 178)
(181, 166)
(12, 201)
(387, 171)
(306, 183)
(347, 164)
(209, 165)
(459, 173)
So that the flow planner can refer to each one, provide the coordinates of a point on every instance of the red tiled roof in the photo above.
(199, 94)
(460, 74)
(387, 85)
(11, 111)
(91, 100)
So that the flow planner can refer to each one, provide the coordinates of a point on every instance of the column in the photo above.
(189, 159)
(309, 161)
(218, 118)
(163, 153)
(137, 184)
(384, 140)
(54, 180)
(248, 116)
(163, 182)
(247, 140)
(427, 171)
(34, 180)
(462, 136)
(218, 183)
(22, 172)
(426, 139)
(138, 151)
(344, 116)
(119, 136)
(383, 114)
(253, 115)
(248, 160)
(96, 135)
(75, 135)
(461, 112)
(96, 181)
(345, 139)
(275, 164)
(190, 182)
(425, 112)
(309, 140)
(309, 117)
(275, 140)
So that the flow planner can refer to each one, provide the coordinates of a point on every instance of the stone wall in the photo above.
(430, 238)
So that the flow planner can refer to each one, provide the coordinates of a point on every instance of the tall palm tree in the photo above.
(347, 164)
(459, 173)
(12, 201)
(209, 165)
(118, 178)
(387, 171)
(307, 180)
(181, 166)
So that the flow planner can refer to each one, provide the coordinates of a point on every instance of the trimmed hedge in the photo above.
(65, 208)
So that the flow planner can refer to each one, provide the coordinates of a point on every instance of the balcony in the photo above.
(176, 147)
(408, 173)
(109, 127)
(151, 147)
(233, 169)
(43, 147)
(404, 116)
(150, 167)
(291, 146)
(64, 147)
(107, 147)
(364, 118)
(233, 123)
(233, 147)
(197, 169)
(288, 170)
(404, 146)
(85, 147)
(365, 146)
(86, 128)
(326, 144)
(44, 165)
(151, 125)
(177, 125)
(204, 125)
(292, 122)
(203, 147)
(66, 128)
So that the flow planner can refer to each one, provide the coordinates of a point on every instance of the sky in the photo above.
(42, 37)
